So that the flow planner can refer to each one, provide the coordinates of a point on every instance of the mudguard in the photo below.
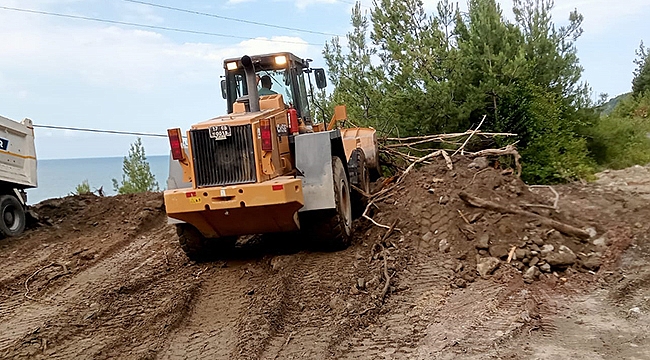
(314, 153)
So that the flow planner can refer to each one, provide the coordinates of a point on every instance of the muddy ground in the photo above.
(105, 278)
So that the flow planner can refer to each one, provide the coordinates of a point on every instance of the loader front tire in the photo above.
(332, 229)
(199, 248)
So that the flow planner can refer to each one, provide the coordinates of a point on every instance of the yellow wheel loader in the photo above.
(267, 166)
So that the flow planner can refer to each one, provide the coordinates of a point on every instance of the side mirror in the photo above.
(321, 79)
(223, 88)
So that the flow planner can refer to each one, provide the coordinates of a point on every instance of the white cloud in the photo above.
(600, 15)
(302, 4)
(117, 56)
(141, 13)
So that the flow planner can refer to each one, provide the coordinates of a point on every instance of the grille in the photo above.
(223, 162)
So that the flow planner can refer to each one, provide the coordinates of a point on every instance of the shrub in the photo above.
(83, 188)
(621, 139)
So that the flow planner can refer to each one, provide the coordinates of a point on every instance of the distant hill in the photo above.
(608, 107)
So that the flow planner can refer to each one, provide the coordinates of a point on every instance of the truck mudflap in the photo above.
(235, 210)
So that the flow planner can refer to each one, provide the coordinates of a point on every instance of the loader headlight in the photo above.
(231, 66)
(280, 60)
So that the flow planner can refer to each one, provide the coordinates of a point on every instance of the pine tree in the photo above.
(641, 82)
(137, 176)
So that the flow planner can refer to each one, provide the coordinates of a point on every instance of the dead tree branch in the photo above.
(492, 206)
(555, 202)
(462, 147)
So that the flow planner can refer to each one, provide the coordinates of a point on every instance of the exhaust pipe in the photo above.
(251, 83)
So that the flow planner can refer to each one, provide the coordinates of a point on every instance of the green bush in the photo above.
(83, 188)
(620, 139)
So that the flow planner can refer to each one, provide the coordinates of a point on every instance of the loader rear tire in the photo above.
(12, 222)
(199, 248)
(359, 177)
(332, 229)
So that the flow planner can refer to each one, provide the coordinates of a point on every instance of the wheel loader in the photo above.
(267, 166)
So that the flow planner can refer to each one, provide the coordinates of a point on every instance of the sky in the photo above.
(80, 73)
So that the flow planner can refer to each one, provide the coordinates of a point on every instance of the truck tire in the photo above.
(332, 229)
(198, 248)
(13, 216)
(359, 177)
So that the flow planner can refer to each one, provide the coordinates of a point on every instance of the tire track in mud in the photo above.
(403, 323)
(99, 300)
(306, 329)
(396, 334)
(210, 329)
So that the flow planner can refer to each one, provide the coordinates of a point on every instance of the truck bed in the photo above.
(17, 153)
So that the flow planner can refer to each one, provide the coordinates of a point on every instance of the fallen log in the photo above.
(492, 206)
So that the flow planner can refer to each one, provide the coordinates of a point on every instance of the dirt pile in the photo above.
(479, 242)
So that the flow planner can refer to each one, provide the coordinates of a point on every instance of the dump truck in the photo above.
(267, 166)
(17, 173)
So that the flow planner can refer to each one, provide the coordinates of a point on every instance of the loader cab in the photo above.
(289, 78)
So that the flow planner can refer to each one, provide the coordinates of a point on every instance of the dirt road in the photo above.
(105, 278)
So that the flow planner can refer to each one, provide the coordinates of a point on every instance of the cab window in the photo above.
(302, 91)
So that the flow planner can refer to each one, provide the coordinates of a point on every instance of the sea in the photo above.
(59, 177)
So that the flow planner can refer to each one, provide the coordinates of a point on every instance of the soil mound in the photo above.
(437, 222)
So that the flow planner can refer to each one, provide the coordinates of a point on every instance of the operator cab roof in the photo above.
(269, 60)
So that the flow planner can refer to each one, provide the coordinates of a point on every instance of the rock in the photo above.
(555, 235)
(537, 240)
(547, 249)
(486, 266)
(469, 278)
(534, 248)
(443, 200)
(336, 304)
(479, 163)
(431, 191)
(531, 274)
(483, 242)
(482, 252)
(600, 242)
(533, 261)
(522, 254)
(361, 283)
(427, 237)
(499, 251)
(592, 232)
(545, 268)
(592, 262)
(443, 246)
(563, 258)
(461, 283)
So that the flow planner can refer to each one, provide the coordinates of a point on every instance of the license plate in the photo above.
(220, 132)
